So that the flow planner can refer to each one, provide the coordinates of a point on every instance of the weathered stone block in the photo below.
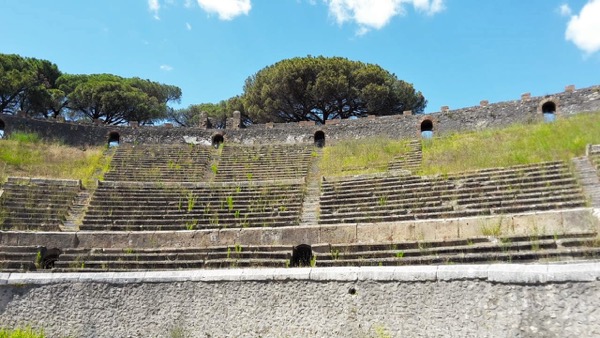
(537, 223)
(446, 229)
(306, 123)
(300, 235)
(577, 220)
(425, 230)
(334, 234)
(376, 232)
(484, 226)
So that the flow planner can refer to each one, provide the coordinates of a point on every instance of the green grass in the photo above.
(518, 144)
(21, 333)
(26, 155)
(360, 156)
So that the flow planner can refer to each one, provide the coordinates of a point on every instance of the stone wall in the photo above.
(500, 300)
(525, 110)
(533, 223)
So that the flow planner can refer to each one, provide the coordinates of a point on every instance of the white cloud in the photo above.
(584, 29)
(154, 7)
(166, 68)
(564, 10)
(188, 26)
(375, 14)
(226, 9)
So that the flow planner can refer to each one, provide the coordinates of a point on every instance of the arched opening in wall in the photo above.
(549, 111)
(113, 139)
(301, 255)
(319, 139)
(217, 140)
(48, 257)
(427, 129)
(1, 129)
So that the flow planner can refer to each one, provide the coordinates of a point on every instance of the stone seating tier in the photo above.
(129, 259)
(18, 258)
(166, 163)
(176, 207)
(475, 250)
(247, 163)
(543, 186)
(36, 204)
(565, 247)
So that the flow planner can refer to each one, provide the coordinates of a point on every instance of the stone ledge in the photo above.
(534, 274)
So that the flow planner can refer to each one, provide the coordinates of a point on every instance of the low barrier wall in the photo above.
(534, 223)
(500, 300)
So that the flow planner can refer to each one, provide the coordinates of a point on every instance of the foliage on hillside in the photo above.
(25, 155)
(518, 144)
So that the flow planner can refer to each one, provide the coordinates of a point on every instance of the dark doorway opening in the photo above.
(319, 139)
(114, 139)
(217, 140)
(427, 129)
(48, 257)
(301, 256)
(549, 111)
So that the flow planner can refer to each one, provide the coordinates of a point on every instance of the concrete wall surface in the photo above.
(499, 300)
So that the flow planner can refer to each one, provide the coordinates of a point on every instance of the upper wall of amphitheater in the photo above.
(525, 110)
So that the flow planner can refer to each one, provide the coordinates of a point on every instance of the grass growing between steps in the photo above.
(26, 155)
(520, 144)
(361, 156)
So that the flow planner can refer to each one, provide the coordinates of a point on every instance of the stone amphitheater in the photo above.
(196, 232)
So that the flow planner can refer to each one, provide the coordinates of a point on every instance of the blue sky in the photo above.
(457, 52)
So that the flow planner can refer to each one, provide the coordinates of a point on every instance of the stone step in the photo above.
(473, 258)
(448, 194)
(589, 179)
(244, 263)
(399, 216)
(439, 184)
(128, 265)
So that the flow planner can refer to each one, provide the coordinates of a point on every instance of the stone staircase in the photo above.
(74, 217)
(159, 163)
(310, 206)
(261, 163)
(588, 178)
(36, 203)
(410, 160)
(534, 187)
(132, 206)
